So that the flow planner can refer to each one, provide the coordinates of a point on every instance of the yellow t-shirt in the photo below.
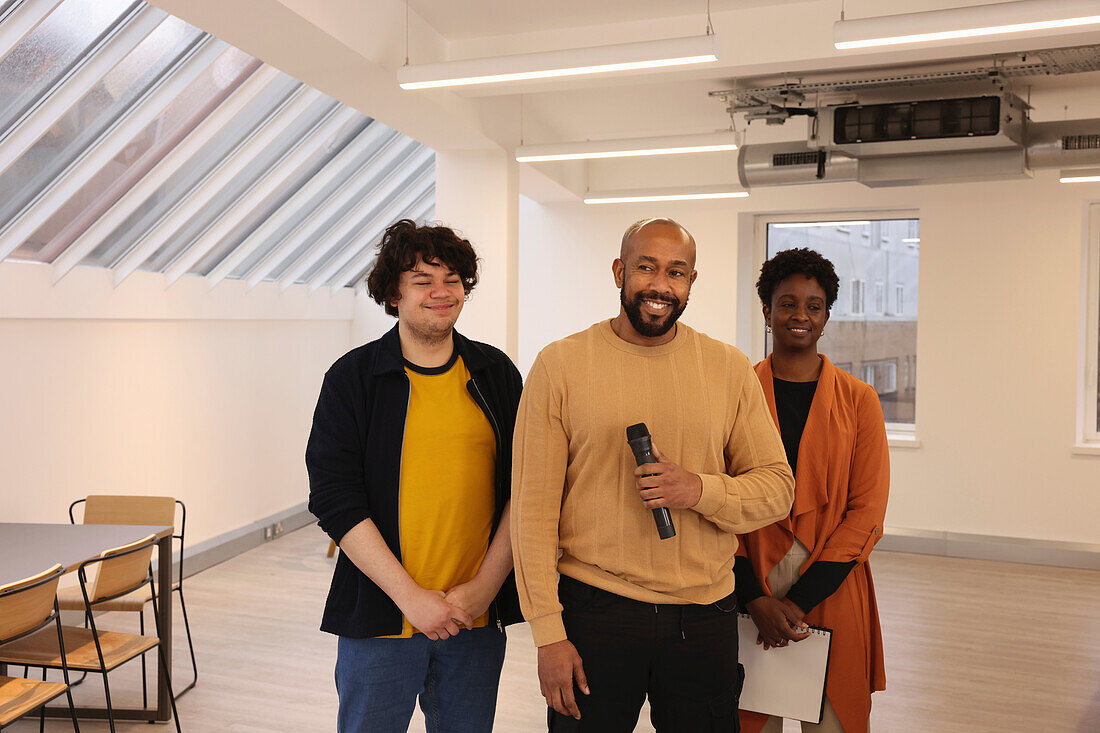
(448, 461)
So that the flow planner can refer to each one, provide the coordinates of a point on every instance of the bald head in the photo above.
(660, 227)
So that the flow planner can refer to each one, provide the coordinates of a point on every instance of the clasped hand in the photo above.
(778, 621)
(666, 484)
(440, 615)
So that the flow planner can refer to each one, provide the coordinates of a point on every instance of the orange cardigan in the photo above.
(841, 486)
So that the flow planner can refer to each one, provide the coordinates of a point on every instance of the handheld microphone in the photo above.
(642, 446)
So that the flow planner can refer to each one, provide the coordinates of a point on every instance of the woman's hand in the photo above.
(779, 622)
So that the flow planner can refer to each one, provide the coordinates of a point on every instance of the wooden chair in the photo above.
(154, 510)
(28, 606)
(121, 571)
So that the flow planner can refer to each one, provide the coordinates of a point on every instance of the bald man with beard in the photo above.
(617, 613)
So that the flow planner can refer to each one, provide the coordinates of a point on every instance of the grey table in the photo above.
(28, 549)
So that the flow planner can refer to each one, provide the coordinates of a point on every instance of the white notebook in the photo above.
(786, 681)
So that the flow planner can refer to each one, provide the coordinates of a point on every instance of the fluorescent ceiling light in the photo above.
(666, 194)
(801, 224)
(1080, 175)
(911, 240)
(977, 20)
(570, 62)
(672, 145)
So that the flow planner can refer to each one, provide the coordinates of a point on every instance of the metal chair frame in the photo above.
(90, 621)
(55, 618)
(183, 607)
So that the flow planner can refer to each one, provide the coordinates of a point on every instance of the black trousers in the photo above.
(683, 657)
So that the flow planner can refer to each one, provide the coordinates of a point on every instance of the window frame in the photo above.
(899, 435)
(1088, 436)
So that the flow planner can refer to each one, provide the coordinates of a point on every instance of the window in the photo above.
(131, 140)
(882, 375)
(857, 297)
(880, 346)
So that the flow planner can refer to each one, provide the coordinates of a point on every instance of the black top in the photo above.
(354, 462)
(792, 405)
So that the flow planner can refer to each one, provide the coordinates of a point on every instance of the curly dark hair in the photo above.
(403, 243)
(802, 261)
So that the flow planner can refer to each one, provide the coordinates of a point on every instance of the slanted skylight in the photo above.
(131, 140)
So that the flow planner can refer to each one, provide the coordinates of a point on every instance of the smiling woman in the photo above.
(873, 334)
(811, 566)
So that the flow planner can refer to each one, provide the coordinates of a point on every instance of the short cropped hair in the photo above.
(642, 223)
(801, 261)
(403, 244)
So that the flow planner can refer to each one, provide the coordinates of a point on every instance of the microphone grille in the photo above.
(637, 431)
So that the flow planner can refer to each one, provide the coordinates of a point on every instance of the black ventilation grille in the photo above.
(808, 157)
(928, 120)
(1081, 142)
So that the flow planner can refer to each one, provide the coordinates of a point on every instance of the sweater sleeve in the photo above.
(868, 488)
(539, 460)
(334, 461)
(757, 488)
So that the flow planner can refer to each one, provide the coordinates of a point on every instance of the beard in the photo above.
(651, 329)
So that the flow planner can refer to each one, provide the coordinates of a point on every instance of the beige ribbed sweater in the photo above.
(573, 487)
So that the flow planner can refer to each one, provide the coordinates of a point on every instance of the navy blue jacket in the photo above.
(354, 463)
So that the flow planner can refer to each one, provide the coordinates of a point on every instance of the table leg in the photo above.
(164, 608)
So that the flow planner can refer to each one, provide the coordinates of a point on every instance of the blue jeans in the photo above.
(378, 681)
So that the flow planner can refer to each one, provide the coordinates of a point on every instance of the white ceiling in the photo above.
(464, 20)
(350, 49)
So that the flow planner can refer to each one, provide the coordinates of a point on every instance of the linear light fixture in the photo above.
(671, 145)
(1079, 175)
(969, 22)
(803, 224)
(911, 240)
(694, 193)
(569, 62)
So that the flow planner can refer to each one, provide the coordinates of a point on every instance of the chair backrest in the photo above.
(28, 604)
(121, 569)
(107, 509)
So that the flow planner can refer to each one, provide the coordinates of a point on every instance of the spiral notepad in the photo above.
(789, 681)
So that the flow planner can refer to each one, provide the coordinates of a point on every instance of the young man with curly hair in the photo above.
(409, 465)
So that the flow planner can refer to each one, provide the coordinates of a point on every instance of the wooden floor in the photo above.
(971, 646)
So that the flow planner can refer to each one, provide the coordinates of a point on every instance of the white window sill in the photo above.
(1086, 449)
(902, 440)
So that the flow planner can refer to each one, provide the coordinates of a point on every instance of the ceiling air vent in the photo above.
(807, 158)
(916, 126)
(927, 120)
(1081, 142)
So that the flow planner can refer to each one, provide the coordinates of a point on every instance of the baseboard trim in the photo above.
(991, 547)
(895, 539)
(218, 549)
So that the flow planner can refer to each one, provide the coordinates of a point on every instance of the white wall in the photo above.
(997, 334)
(204, 396)
(477, 194)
